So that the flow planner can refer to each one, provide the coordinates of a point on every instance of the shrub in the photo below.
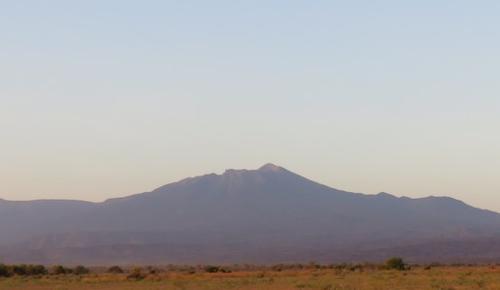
(34, 270)
(115, 270)
(40, 270)
(211, 269)
(20, 270)
(81, 270)
(395, 263)
(136, 274)
(4, 271)
(356, 267)
(152, 270)
(59, 270)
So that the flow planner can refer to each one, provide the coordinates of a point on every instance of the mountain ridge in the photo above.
(269, 167)
(237, 216)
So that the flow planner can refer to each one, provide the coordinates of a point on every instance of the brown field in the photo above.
(443, 277)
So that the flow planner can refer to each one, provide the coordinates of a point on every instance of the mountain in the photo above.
(268, 215)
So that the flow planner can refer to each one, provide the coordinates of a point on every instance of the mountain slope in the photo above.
(260, 216)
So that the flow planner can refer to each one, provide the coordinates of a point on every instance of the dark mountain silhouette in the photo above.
(268, 215)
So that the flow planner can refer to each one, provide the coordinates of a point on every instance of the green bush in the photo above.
(395, 263)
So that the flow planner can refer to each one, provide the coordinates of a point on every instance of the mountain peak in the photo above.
(271, 167)
(386, 195)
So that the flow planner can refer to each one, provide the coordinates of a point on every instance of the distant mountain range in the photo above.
(268, 215)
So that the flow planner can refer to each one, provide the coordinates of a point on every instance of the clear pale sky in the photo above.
(100, 99)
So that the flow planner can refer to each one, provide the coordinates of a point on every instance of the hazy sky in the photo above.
(107, 98)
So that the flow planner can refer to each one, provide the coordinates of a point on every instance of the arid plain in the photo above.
(348, 278)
